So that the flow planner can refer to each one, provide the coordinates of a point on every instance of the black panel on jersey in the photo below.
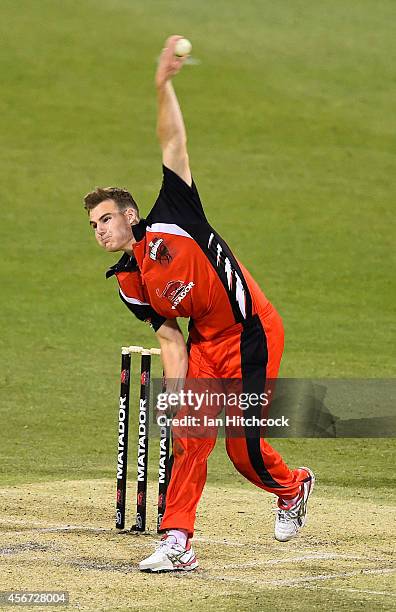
(139, 230)
(145, 312)
(180, 204)
(127, 263)
(254, 359)
(177, 202)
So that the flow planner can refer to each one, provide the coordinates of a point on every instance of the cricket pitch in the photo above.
(61, 536)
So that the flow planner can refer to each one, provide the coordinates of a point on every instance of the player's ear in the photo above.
(131, 215)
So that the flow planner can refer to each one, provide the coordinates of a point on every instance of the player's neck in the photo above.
(128, 248)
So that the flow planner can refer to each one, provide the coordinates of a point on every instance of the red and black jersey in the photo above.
(181, 267)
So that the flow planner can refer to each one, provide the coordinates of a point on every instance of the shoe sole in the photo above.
(166, 570)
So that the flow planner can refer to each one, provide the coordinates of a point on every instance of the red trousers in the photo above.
(252, 354)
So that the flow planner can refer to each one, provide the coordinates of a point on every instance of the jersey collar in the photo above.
(127, 263)
(139, 230)
(139, 247)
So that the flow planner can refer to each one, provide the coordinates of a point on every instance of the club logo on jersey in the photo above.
(175, 292)
(159, 251)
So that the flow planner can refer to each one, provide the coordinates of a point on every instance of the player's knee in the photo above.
(196, 448)
(178, 448)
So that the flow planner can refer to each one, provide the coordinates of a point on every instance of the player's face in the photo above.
(112, 227)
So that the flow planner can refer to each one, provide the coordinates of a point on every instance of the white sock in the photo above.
(287, 502)
(180, 535)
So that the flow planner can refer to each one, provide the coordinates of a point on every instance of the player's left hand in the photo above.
(169, 64)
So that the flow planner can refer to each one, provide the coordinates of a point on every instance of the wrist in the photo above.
(162, 84)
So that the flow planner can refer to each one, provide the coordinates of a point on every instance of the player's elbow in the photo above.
(171, 338)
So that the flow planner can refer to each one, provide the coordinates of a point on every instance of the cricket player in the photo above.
(174, 264)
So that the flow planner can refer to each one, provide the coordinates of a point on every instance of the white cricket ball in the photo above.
(183, 47)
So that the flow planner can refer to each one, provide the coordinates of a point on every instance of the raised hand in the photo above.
(169, 64)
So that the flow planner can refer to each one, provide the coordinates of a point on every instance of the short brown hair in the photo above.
(121, 197)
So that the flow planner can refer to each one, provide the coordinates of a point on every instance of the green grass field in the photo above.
(291, 123)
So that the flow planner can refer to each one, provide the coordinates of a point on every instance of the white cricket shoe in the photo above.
(169, 556)
(290, 518)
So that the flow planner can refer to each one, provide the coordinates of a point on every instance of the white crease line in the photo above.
(43, 526)
(60, 529)
(73, 528)
(38, 528)
(258, 582)
(293, 581)
(355, 590)
(296, 582)
(293, 559)
(260, 545)
(221, 542)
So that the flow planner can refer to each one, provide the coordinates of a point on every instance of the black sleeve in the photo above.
(177, 202)
(144, 312)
